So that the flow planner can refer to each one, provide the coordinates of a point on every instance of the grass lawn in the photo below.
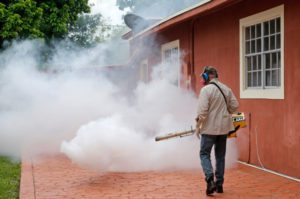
(9, 179)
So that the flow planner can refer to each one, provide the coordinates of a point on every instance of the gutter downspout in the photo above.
(192, 57)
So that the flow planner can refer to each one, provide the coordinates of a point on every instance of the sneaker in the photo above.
(211, 187)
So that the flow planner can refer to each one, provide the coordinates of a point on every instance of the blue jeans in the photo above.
(207, 142)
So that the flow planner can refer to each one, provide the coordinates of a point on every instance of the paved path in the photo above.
(56, 177)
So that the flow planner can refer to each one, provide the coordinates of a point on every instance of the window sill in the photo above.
(262, 93)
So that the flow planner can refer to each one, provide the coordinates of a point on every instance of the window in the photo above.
(144, 71)
(171, 55)
(262, 55)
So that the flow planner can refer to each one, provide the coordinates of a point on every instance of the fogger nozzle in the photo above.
(173, 135)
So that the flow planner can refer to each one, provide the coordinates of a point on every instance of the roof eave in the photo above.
(205, 6)
(127, 35)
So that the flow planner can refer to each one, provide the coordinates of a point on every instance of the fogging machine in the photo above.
(238, 120)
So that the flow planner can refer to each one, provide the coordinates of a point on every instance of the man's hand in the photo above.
(198, 133)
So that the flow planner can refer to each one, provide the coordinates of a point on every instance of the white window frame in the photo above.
(168, 46)
(259, 93)
(144, 75)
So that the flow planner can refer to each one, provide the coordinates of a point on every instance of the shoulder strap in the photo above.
(220, 91)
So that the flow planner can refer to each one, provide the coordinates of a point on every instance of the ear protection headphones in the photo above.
(205, 76)
(208, 70)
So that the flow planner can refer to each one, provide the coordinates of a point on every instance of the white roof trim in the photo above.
(172, 16)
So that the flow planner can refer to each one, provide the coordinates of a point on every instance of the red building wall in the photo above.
(150, 47)
(273, 122)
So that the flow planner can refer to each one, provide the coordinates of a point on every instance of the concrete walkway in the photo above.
(56, 177)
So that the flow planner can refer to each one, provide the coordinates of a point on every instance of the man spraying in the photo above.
(216, 103)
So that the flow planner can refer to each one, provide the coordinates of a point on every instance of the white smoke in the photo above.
(92, 116)
(103, 129)
(40, 109)
(124, 140)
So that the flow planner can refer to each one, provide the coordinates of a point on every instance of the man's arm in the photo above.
(203, 105)
(233, 104)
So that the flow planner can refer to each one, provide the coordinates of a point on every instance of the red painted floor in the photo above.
(56, 177)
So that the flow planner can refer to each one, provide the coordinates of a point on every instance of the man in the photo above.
(216, 103)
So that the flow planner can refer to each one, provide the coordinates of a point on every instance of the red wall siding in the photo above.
(274, 122)
(179, 32)
(182, 33)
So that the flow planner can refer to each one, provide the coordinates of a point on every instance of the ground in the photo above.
(55, 177)
(9, 178)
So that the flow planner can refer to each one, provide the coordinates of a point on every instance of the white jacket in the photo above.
(213, 114)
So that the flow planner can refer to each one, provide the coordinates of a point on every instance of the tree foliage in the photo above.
(133, 4)
(20, 19)
(85, 31)
(91, 29)
(38, 18)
